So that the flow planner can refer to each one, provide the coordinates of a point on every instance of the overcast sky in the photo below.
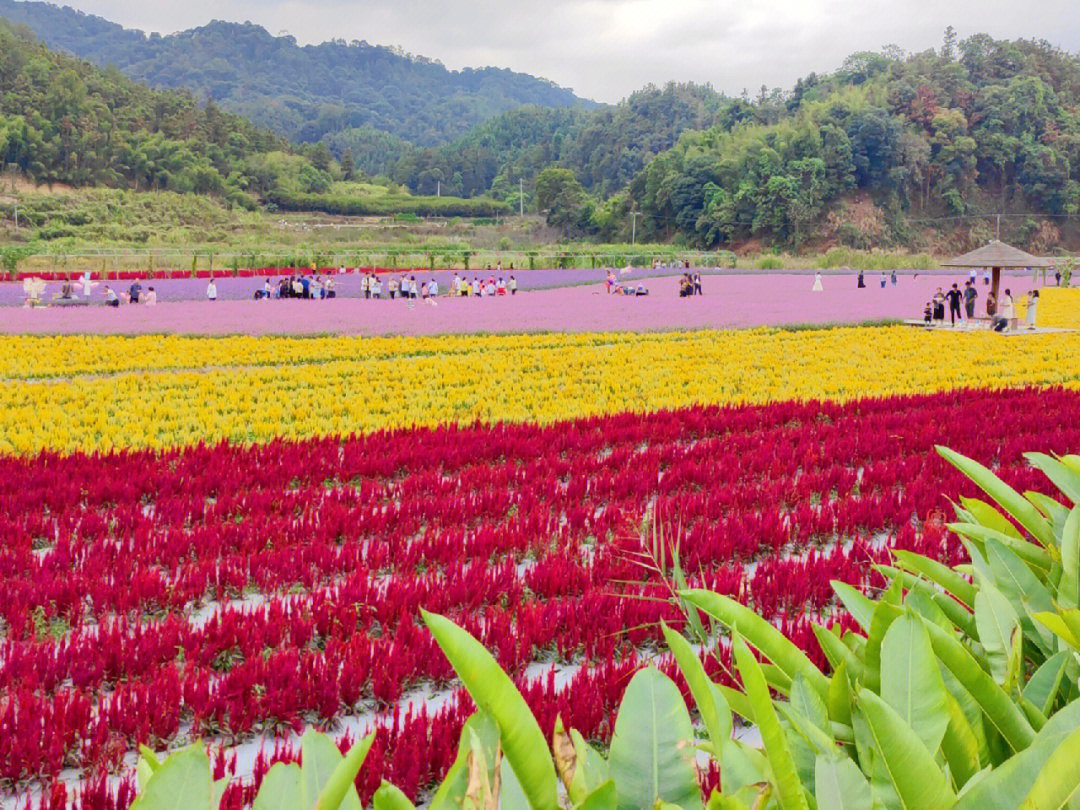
(606, 49)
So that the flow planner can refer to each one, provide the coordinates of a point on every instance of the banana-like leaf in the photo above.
(1006, 787)
(389, 797)
(910, 768)
(182, 782)
(1058, 781)
(522, 741)
(1055, 512)
(604, 797)
(1062, 476)
(857, 604)
(1027, 594)
(710, 702)
(338, 790)
(281, 789)
(960, 745)
(1065, 624)
(884, 615)
(1043, 686)
(738, 701)
(988, 515)
(836, 652)
(580, 767)
(1069, 587)
(1036, 557)
(652, 750)
(944, 608)
(773, 644)
(1005, 496)
(952, 582)
(742, 766)
(839, 697)
(996, 621)
(451, 793)
(911, 682)
(840, 785)
(785, 777)
(996, 705)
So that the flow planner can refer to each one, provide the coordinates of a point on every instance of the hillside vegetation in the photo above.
(301, 92)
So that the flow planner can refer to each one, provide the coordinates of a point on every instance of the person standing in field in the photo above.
(697, 284)
(1032, 306)
(211, 290)
(892, 277)
(512, 285)
(818, 287)
(970, 294)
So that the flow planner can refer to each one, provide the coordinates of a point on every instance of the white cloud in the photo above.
(606, 49)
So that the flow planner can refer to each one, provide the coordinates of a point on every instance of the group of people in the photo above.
(1000, 312)
(309, 287)
(134, 294)
(479, 288)
(690, 285)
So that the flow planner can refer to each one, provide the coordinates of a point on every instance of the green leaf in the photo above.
(858, 604)
(952, 582)
(281, 788)
(182, 782)
(450, 794)
(1065, 479)
(1021, 587)
(1035, 556)
(1005, 496)
(884, 615)
(839, 696)
(605, 797)
(714, 711)
(652, 748)
(960, 745)
(840, 785)
(773, 644)
(785, 777)
(388, 797)
(338, 789)
(1058, 780)
(944, 606)
(910, 768)
(911, 682)
(836, 652)
(1042, 688)
(996, 705)
(1069, 588)
(996, 621)
(1006, 787)
(580, 767)
(522, 741)
(742, 766)
(988, 515)
(1065, 624)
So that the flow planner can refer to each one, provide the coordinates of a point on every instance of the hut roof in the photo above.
(998, 254)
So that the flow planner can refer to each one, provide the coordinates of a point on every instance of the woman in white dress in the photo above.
(817, 283)
(1032, 305)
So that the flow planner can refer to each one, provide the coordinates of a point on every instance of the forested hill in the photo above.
(302, 93)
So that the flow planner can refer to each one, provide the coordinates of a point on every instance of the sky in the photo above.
(606, 49)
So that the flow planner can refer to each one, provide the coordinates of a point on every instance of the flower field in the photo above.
(100, 393)
(314, 557)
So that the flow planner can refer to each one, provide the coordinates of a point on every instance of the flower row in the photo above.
(543, 379)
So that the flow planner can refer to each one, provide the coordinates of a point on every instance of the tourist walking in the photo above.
(892, 277)
(862, 280)
(955, 297)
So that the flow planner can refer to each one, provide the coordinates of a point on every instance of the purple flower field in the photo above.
(730, 301)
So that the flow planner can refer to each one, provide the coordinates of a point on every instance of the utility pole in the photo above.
(633, 227)
(438, 188)
(998, 237)
(16, 218)
(521, 197)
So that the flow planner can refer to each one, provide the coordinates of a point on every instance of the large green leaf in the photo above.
(1022, 588)
(1063, 477)
(580, 767)
(604, 797)
(944, 606)
(710, 702)
(1007, 786)
(1042, 688)
(281, 789)
(952, 582)
(840, 785)
(450, 794)
(857, 603)
(389, 797)
(773, 644)
(181, 782)
(1069, 587)
(340, 789)
(1035, 556)
(910, 768)
(996, 621)
(988, 515)
(884, 615)
(998, 708)
(785, 777)
(911, 682)
(960, 745)
(1058, 780)
(1005, 496)
(652, 748)
(522, 741)
(836, 652)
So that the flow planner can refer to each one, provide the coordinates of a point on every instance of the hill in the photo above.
(301, 92)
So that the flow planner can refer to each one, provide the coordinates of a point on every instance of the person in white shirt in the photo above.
(476, 286)
(376, 287)
(211, 291)
(433, 289)
(150, 298)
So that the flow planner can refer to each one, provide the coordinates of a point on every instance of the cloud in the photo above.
(606, 49)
